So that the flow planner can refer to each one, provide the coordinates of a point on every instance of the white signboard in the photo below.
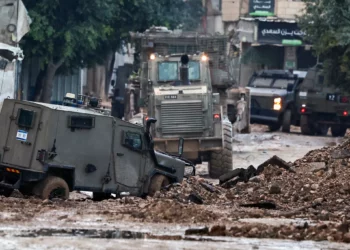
(22, 135)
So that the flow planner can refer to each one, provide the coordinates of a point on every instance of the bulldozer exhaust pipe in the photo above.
(184, 69)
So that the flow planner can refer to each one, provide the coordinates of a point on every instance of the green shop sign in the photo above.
(261, 7)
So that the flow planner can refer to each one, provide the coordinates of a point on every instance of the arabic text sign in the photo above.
(275, 32)
(261, 6)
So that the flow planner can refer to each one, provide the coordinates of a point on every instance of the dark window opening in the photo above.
(81, 122)
(25, 118)
(132, 140)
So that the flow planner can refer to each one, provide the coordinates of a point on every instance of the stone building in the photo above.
(264, 34)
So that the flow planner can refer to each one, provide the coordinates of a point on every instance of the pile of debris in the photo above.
(316, 186)
(194, 190)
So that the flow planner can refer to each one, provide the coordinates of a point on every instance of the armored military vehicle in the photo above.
(49, 150)
(322, 106)
(183, 84)
(273, 98)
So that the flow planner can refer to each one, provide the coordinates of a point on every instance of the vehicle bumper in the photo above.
(192, 146)
(13, 178)
(265, 120)
(329, 118)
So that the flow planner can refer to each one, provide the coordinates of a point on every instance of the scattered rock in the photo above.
(46, 202)
(274, 189)
(195, 198)
(197, 231)
(208, 187)
(256, 179)
(62, 217)
(317, 166)
(218, 231)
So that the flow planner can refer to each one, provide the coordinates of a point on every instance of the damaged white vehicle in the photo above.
(14, 24)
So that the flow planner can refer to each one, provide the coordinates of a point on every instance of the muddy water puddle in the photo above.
(49, 238)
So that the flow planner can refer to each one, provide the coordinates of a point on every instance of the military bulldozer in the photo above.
(184, 83)
(50, 150)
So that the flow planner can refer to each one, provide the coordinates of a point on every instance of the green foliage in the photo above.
(80, 33)
(327, 24)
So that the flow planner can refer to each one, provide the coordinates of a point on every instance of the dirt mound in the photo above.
(319, 189)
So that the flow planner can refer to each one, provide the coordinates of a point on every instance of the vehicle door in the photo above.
(131, 158)
(21, 138)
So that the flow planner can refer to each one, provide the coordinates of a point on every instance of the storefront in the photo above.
(274, 44)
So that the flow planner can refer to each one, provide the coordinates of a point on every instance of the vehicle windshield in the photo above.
(261, 82)
(282, 83)
(170, 72)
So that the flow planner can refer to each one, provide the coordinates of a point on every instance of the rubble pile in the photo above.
(317, 188)
(194, 190)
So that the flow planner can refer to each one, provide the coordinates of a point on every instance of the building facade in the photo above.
(264, 34)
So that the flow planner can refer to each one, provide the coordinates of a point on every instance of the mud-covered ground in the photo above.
(307, 207)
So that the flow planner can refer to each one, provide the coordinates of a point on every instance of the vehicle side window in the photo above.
(132, 140)
(25, 118)
(81, 122)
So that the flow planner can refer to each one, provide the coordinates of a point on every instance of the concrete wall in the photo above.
(288, 8)
(232, 10)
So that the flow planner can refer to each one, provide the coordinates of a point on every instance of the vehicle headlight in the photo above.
(277, 103)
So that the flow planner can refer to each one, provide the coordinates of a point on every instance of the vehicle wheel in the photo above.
(52, 187)
(99, 196)
(157, 183)
(338, 130)
(274, 127)
(322, 129)
(6, 192)
(305, 126)
(287, 117)
(221, 161)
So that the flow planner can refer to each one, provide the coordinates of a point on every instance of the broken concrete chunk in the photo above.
(208, 187)
(276, 161)
(340, 154)
(195, 198)
(231, 183)
(317, 166)
(232, 174)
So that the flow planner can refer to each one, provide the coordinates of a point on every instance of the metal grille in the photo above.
(182, 117)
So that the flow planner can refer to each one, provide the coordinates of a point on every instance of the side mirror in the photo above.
(290, 87)
(149, 122)
(181, 146)
(150, 83)
(112, 83)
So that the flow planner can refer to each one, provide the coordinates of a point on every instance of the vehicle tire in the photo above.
(52, 187)
(305, 126)
(322, 129)
(157, 183)
(287, 118)
(274, 127)
(221, 161)
(99, 196)
(338, 130)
